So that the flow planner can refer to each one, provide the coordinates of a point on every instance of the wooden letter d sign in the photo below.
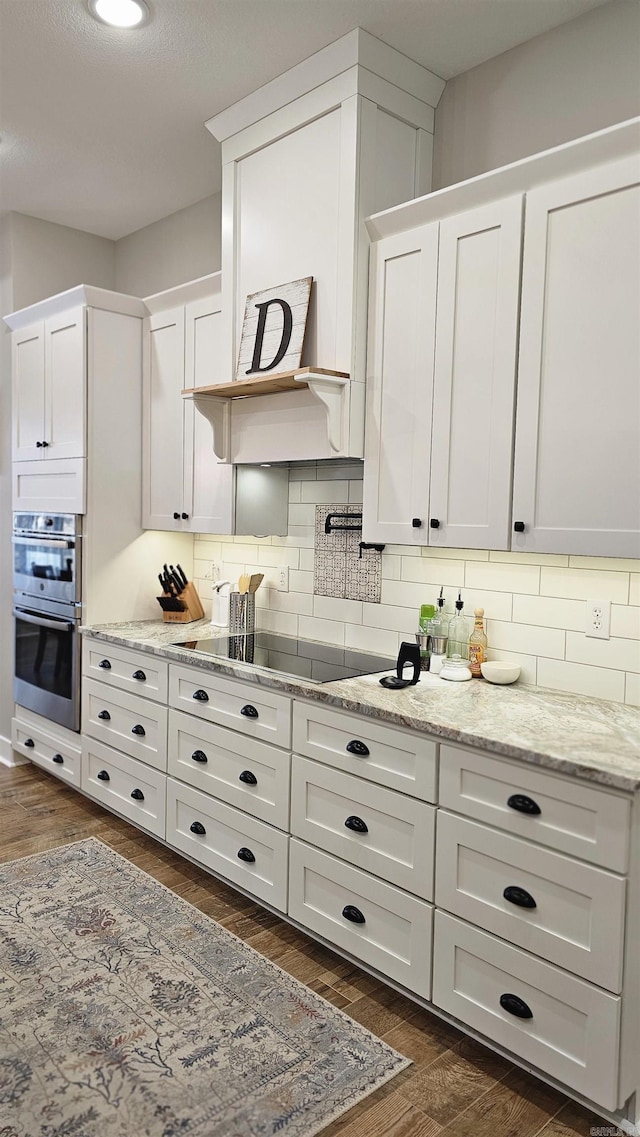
(273, 329)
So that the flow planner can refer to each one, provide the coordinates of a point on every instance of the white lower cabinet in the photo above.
(373, 921)
(245, 851)
(133, 724)
(565, 1027)
(48, 745)
(125, 785)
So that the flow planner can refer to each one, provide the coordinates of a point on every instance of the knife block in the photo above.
(193, 609)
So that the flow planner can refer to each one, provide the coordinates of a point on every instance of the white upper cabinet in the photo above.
(49, 388)
(184, 486)
(577, 467)
(441, 378)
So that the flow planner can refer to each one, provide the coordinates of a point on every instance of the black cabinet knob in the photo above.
(103, 776)
(58, 759)
(200, 695)
(518, 526)
(434, 523)
(359, 748)
(104, 715)
(249, 712)
(139, 675)
(105, 665)
(45, 444)
(246, 855)
(356, 824)
(516, 895)
(176, 516)
(199, 756)
(29, 742)
(416, 522)
(185, 516)
(38, 444)
(138, 729)
(515, 1006)
(350, 912)
(248, 778)
(523, 804)
(137, 795)
(197, 827)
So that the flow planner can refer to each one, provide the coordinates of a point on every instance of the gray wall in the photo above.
(175, 249)
(574, 79)
(48, 258)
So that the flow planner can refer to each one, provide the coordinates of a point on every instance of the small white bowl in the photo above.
(498, 671)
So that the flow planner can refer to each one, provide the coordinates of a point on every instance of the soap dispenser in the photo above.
(456, 665)
(220, 604)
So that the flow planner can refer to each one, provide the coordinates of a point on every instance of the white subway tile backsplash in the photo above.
(348, 471)
(581, 679)
(302, 514)
(497, 605)
(455, 554)
(240, 554)
(371, 639)
(324, 493)
(327, 631)
(499, 577)
(632, 690)
(286, 623)
(355, 493)
(625, 621)
(391, 567)
(607, 564)
(337, 608)
(390, 618)
(300, 581)
(274, 555)
(528, 663)
(560, 560)
(550, 612)
(526, 638)
(584, 584)
(432, 570)
(306, 560)
(299, 602)
(405, 594)
(623, 655)
(634, 588)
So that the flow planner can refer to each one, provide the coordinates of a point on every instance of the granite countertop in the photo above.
(574, 734)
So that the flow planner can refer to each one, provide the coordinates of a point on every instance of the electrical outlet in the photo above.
(283, 578)
(598, 619)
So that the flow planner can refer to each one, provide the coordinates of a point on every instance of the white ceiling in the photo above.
(102, 130)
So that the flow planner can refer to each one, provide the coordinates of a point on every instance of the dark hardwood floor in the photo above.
(455, 1087)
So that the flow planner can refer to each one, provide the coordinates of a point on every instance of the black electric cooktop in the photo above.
(287, 655)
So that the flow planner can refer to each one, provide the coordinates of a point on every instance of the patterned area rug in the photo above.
(125, 1012)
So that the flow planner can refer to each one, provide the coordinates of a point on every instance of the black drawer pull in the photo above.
(357, 824)
(248, 778)
(137, 729)
(197, 827)
(350, 912)
(524, 804)
(518, 526)
(176, 516)
(516, 895)
(58, 759)
(139, 675)
(199, 756)
(359, 748)
(105, 665)
(29, 742)
(103, 776)
(249, 712)
(515, 1006)
(104, 715)
(200, 695)
(246, 855)
(434, 523)
(137, 795)
(416, 522)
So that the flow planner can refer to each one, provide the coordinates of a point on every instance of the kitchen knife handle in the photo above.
(139, 675)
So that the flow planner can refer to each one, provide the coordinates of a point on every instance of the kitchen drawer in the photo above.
(130, 787)
(572, 1032)
(134, 671)
(246, 707)
(244, 851)
(391, 756)
(135, 725)
(394, 929)
(54, 753)
(55, 485)
(568, 815)
(329, 809)
(251, 775)
(575, 916)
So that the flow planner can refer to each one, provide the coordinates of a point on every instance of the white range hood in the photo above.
(306, 158)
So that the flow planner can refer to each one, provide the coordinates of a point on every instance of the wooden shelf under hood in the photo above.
(330, 388)
(265, 384)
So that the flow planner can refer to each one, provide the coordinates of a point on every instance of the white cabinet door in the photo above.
(400, 387)
(163, 410)
(28, 392)
(65, 386)
(475, 373)
(208, 498)
(577, 460)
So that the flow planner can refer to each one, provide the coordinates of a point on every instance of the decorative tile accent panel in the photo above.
(339, 569)
(534, 603)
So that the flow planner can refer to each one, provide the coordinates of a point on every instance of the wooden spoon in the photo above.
(243, 582)
(255, 581)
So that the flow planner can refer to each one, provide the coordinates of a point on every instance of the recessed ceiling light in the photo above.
(120, 13)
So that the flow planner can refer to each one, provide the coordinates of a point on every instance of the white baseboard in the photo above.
(8, 756)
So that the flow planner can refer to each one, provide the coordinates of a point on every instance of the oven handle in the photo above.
(51, 542)
(42, 621)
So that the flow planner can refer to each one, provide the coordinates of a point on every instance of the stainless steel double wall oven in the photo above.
(47, 607)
